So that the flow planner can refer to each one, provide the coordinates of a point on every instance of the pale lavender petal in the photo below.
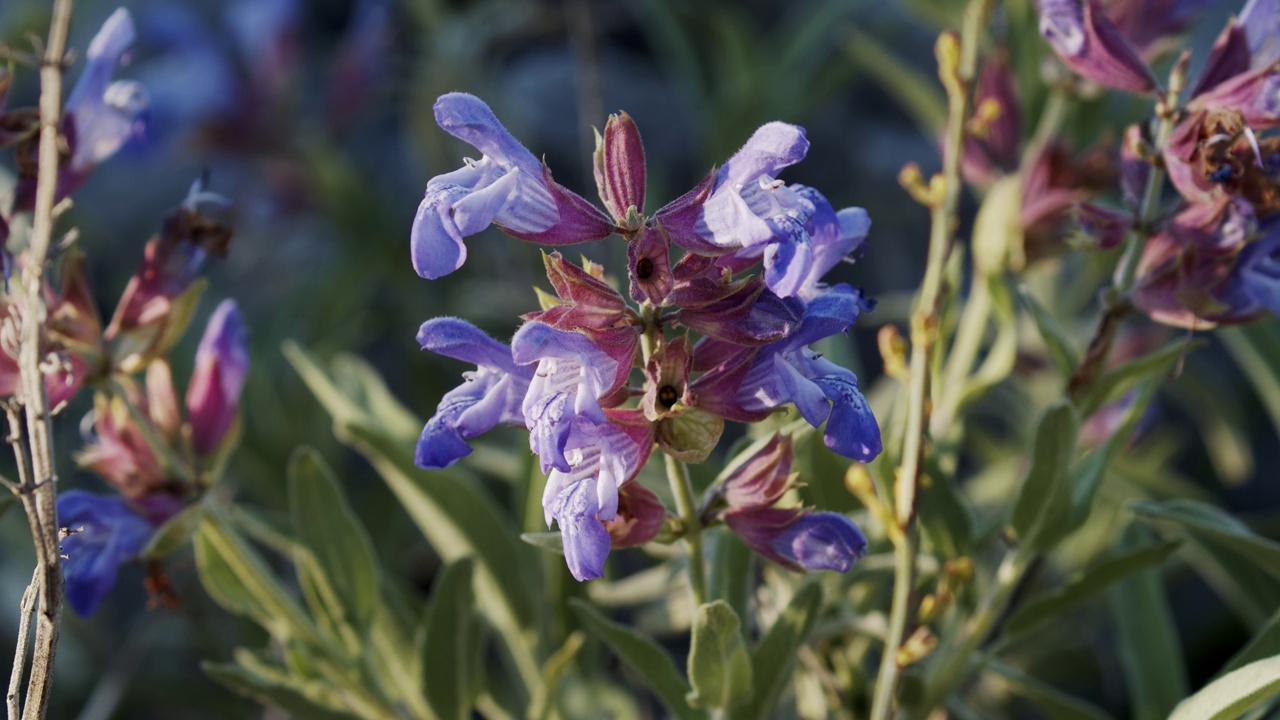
(584, 537)
(774, 146)
(469, 119)
(460, 340)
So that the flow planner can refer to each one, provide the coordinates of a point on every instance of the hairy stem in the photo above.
(682, 488)
(39, 492)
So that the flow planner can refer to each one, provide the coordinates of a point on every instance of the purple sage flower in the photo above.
(574, 371)
(787, 371)
(798, 539)
(491, 394)
(751, 213)
(101, 115)
(222, 361)
(581, 498)
(106, 532)
(508, 187)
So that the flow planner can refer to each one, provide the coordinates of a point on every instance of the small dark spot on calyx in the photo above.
(667, 396)
(644, 270)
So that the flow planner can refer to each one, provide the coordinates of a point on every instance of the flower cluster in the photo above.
(140, 444)
(138, 440)
(1216, 260)
(712, 339)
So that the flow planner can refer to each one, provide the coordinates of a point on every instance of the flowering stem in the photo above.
(957, 65)
(39, 492)
(682, 488)
(1117, 303)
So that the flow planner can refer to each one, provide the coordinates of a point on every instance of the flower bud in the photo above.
(620, 167)
(222, 361)
(798, 539)
(763, 478)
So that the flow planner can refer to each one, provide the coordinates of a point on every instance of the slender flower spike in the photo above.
(507, 187)
(491, 395)
(105, 533)
(222, 361)
(1091, 45)
(789, 372)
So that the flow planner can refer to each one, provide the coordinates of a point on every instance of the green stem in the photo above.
(903, 582)
(1117, 300)
(682, 488)
(973, 326)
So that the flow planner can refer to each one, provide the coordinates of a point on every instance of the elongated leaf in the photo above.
(1255, 348)
(1055, 704)
(1233, 694)
(325, 525)
(1003, 352)
(175, 533)
(1087, 585)
(1150, 653)
(274, 691)
(1087, 474)
(458, 519)
(997, 230)
(242, 582)
(644, 656)
(1117, 382)
(944, 515)
(1216, 525)
(719, 669)
(1056, 341)
(1039, 516)
(1264, 644)
(552, 672)
(917, 93)
(551, 541)
(774, 658)
(451, 631)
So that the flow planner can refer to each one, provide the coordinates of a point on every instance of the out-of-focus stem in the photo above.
(682, 488)
(957, 66)
(973, 325)
(39, 493)
(1117, 302)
